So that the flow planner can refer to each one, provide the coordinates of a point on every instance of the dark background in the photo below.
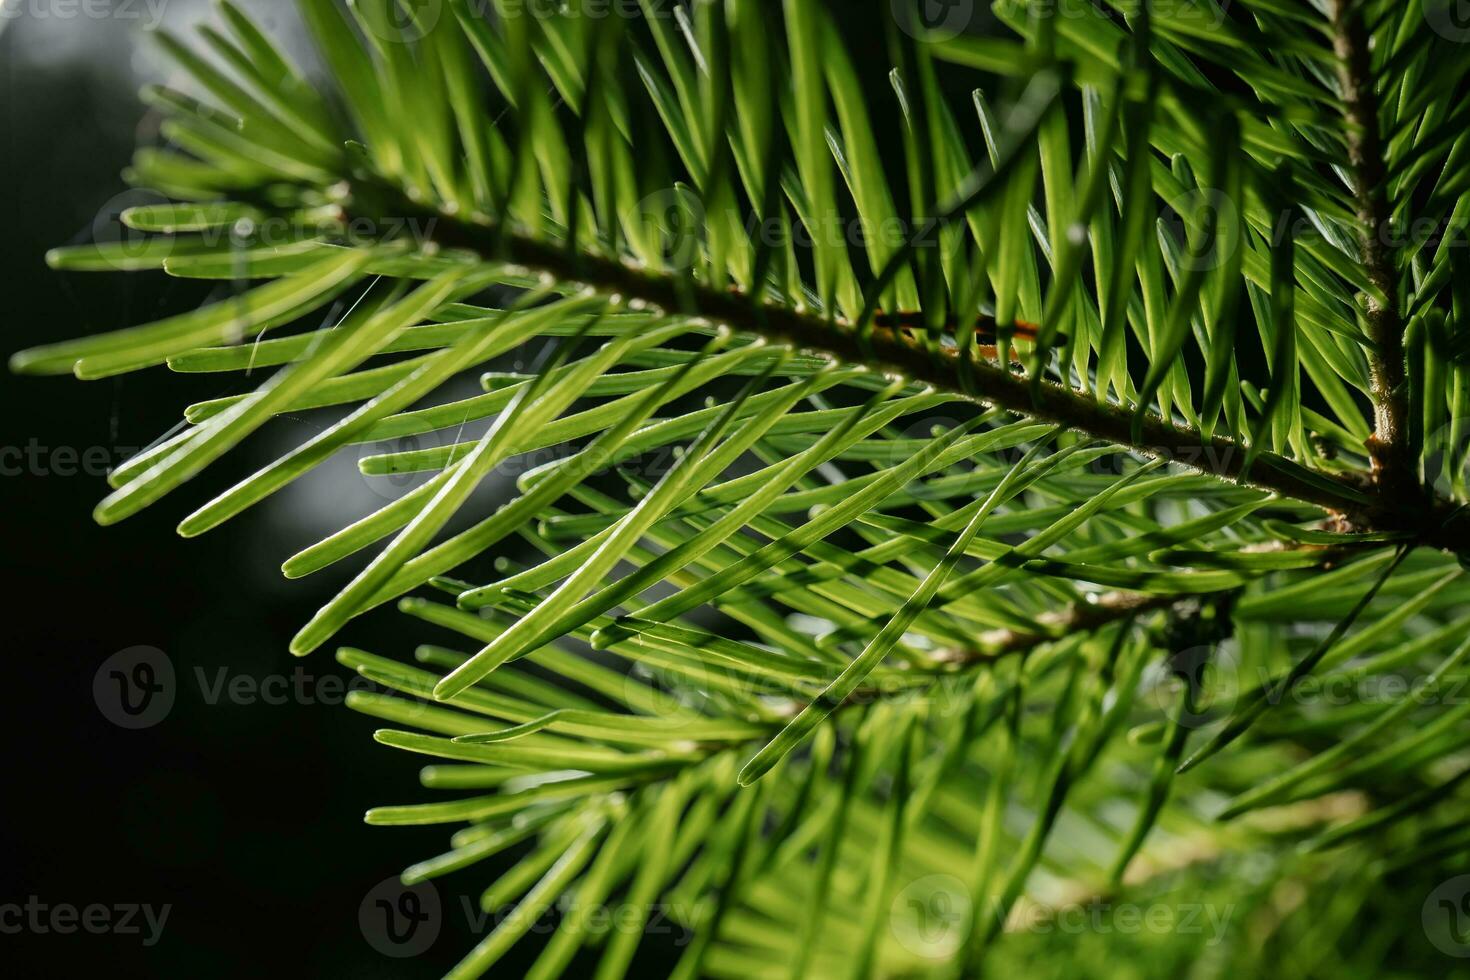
(244, 818)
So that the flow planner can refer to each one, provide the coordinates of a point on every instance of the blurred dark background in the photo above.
(241, 815)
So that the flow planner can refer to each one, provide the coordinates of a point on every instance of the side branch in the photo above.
(1082, 617)
(997, 645)
(1389, 447)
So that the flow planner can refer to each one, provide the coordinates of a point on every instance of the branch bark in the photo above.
(1389, 447)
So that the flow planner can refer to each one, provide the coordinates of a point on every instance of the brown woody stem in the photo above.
(1389, 447)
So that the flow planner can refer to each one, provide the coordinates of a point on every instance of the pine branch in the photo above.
(1380, 508)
